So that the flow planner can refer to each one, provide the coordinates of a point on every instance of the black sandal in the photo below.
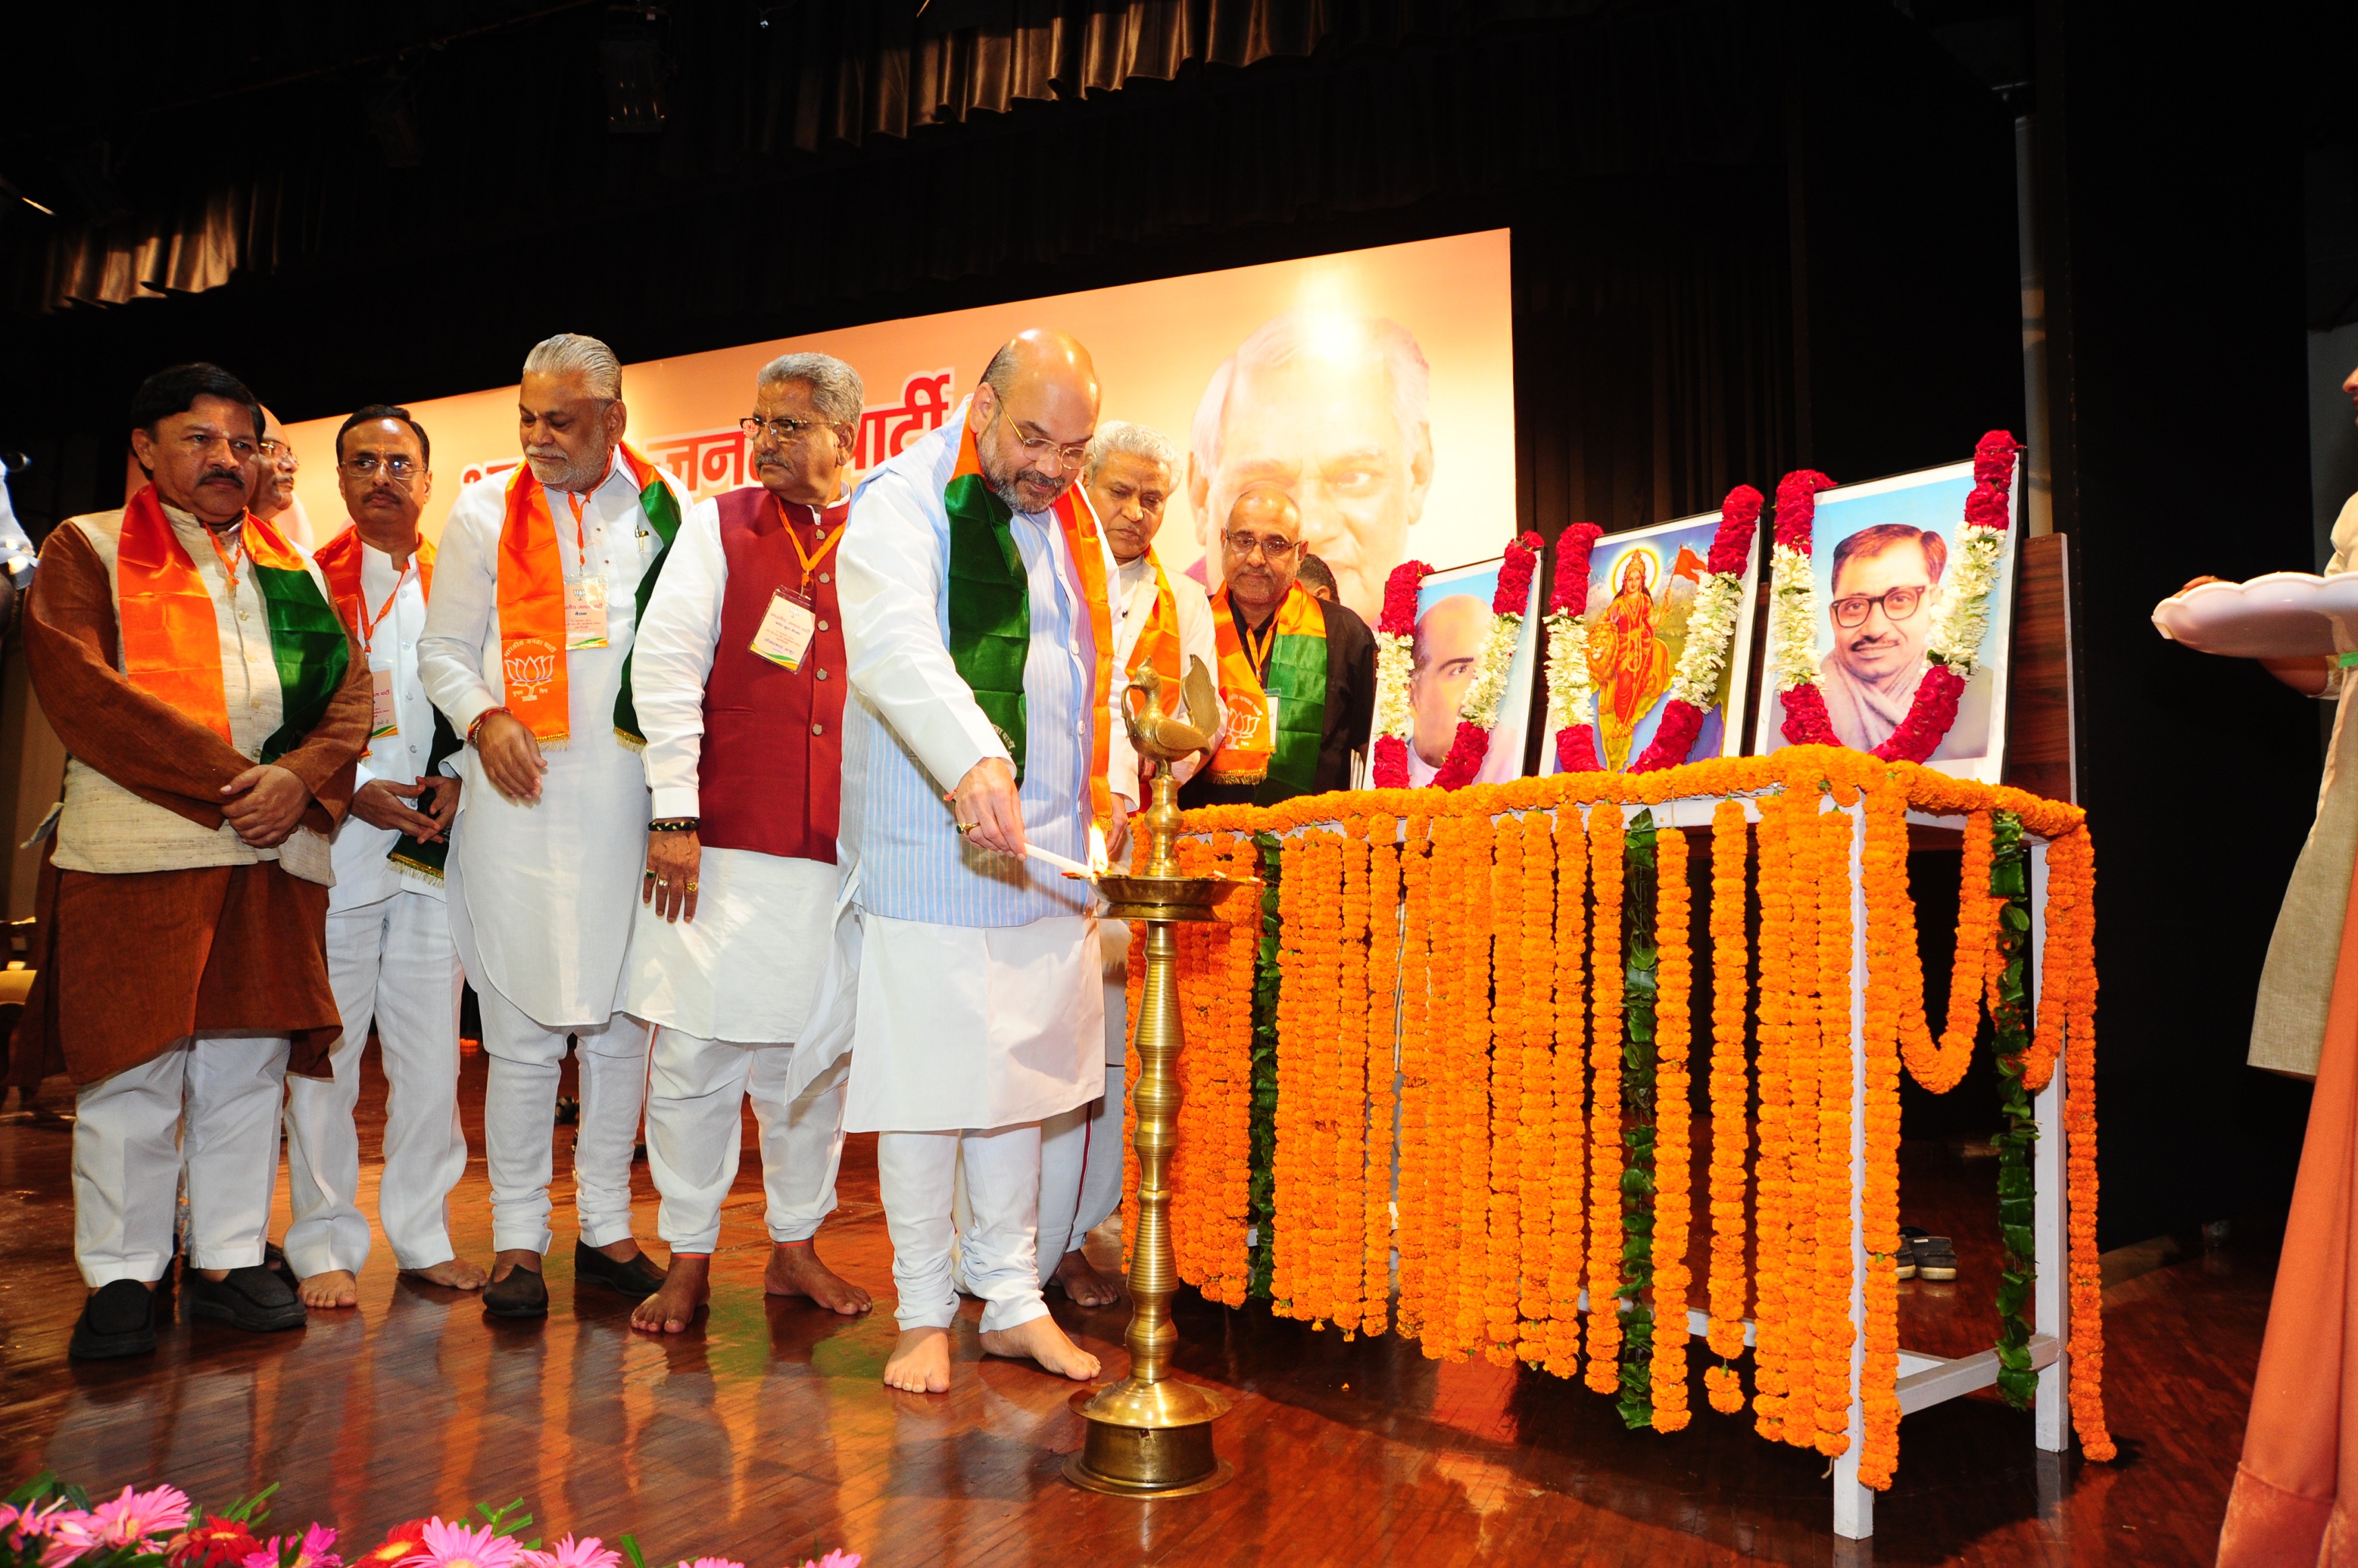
(1935, 1259)
(1906, 1256)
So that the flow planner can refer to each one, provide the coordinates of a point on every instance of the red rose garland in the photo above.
(1508, 603)
(1806, 723)
(1730, 552)
(1395, 637)
(1576, 743)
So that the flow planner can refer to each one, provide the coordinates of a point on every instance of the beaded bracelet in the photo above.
(673, 825)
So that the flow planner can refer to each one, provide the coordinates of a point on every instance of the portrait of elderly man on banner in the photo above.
(1641, 614)
(1332, 408)
(1882, 561)
(1453, 622)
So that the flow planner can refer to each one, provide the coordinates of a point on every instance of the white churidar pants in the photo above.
(209, 1103)
(915, 1173)
(520, 1123)
(1080, 1150)
(695, 1089)
(391, 961)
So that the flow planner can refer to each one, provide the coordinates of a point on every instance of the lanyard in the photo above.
(369, 625)
(825, 546)
(581, 538)
(228, 558)
(1257, 651)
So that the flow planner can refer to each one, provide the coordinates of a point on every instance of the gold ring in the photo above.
(968, 826)
(691, 884)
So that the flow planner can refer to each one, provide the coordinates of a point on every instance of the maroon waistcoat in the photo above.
(771, 774)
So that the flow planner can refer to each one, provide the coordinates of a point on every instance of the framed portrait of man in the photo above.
(1452, 619)
(1880, 557)
(1641, 594)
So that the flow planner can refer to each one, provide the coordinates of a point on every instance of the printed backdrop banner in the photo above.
(1376, 385)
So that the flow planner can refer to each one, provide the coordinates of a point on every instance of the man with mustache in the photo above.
(1297, 674)
(545, 574)
(1880, 610)
(967, 980)
(739, 677)
(389, 952)
(273, 499)
(184, 894)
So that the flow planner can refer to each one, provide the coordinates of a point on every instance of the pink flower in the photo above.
(21, 1524)
(709, 1563)
(837, 1559)
(588, 1552)
(135, 1517)
(457, 1546)
(311, 1551)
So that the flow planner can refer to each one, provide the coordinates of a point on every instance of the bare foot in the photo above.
(451, 1274)
(685, 1288)
(1041, 1340)
(795, 1271)
(504, 1263)
(1081, 1283)
(920, 1362)
(329, 1288)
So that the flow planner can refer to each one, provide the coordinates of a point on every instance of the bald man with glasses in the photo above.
(1297, 672)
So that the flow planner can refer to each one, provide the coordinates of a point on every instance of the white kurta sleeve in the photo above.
(889, 587)
(1121, 758)
(459, 618)
(672, 659)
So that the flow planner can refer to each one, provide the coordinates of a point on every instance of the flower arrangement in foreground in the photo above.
(47, 1523)
(1952, 644)
(1570, 691)
(1472, 1020)
(1710, 635)
(1477, 711)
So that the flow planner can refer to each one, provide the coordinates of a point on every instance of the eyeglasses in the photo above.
(240, 447)
(781, 430)
(279, 451)
(400, 467)
(1898, 604)
(1038, 447)
(1269, 547)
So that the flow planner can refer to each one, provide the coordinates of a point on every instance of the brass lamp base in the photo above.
(1149, 1440)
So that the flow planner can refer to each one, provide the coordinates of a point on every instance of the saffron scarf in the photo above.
(1158, 641)
(532, 602)
(1280, 759)
(339, 561)
(171, 635)
(990, 608)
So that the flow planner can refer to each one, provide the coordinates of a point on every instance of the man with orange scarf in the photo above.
(211, 707)
(1297, 674)
(967, 979)
(389, 952)
(545, 573)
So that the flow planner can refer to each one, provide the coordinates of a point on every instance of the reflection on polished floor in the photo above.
(766, 1435)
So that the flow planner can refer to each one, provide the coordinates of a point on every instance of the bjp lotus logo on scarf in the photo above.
(530, 667)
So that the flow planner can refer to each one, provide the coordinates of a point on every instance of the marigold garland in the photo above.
(1773, 1181)
(1416, 1226)
(1940, 1066)
(1673, 1128)
(1347, 1251)
(2072, 858)
(1803, 1074)
(1383, 1008)
(1730, 1098)
(1503, 1299)
(1894, 972)
(1567, 1205)
(1835, 1333)
(1604, 1234)
(1535, 968)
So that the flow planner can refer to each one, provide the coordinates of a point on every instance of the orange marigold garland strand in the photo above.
(1381, 1013)
(1567, 1203)
(1730, 1101)
(1805, 846)
(2073, 856)
(1836, 1080)
(1536, 973)
(1347, 1252)
(1673, 1128)
(1503, 1299)
(1940, 1065)
(1417, 1222)
(1891, 971)
(1606, 838)
(1773, 1184)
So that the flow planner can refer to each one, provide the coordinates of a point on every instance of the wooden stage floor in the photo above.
(765, 1435)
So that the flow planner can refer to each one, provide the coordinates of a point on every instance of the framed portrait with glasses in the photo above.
(1880, 556)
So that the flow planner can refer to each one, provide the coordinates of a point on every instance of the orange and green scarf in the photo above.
(532, 602)
(1158, 641)
(990, 608)
(1281, 762)
(172, 633)
(339, 561)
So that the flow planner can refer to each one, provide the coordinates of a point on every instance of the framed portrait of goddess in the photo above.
(1642, 585)
(1880, 558)
(1452, 619)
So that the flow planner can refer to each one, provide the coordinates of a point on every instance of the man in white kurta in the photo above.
(390, 956)
(550, 840)
(738, 676)
(1161, 620)
(974, 973)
